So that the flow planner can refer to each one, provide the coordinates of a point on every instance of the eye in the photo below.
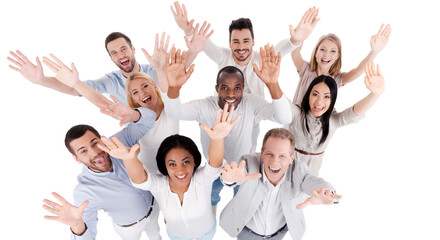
(186, 162)
(145, 86)
(327, 96)
(113, 53)
(333, 51)
(282, 157)
(237, 88)
(172, 164)
(134, 93)
(83, 152)
(314, 94)
(321, 49)
(224, 88)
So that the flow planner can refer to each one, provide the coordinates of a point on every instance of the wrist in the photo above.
(296, 43)
(136, 116)
(78, 228)
(173, 92)
(189, 32)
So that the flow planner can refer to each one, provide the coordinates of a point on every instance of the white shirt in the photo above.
(240, 140)
(223, 57)
(269, 217)
(163, 127)
(194, 217)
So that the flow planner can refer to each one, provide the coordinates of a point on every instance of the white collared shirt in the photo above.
(269, 217)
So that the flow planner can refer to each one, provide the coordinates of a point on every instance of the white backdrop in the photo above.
(385, 166)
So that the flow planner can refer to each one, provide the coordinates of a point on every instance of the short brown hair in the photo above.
(115, 35)
(76, 132)
(283, 134)
(336, 67)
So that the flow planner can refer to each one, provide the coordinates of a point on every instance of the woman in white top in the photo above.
(183, 189)
(314, 122)
(142, 91)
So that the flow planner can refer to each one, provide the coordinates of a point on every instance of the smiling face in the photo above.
(144, 93)
(319, 99)
(241, 44)
(122, 54)
(230, 89)
(276, 158)
(180, 167)
(86, 151)
(326, 54)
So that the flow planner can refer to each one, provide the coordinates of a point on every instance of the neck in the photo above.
(321, 71)
(158, 110)
(137, 68)
(178, 189)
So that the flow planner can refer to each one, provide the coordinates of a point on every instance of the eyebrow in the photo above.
(172, 160)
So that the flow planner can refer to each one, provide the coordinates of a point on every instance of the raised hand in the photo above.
(177, 74)
(181, 17)
(270, 65)
(159, 57)
(237, 174)
(319, 197)
(222, 125)
(118, 110)
(117, 149)
(64, 74)
(66, 213)
(33, 73)
(198, 41)
(380, 40)
(305, 26)
(373, 79)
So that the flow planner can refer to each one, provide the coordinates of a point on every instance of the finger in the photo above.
(178, 9)
(206, 128)
(37, 59)
(252, 176)
(202, 28)
(109, 143)
(206, 29)
(58, 61)
(233, 165)
(256, 70)
(388, 31)
(242, 164)
(172, 10)
(210, 34)
(185, 13)
(14, 68)
(190, 71)
(134, 148)
(156, 41)
(227, 167)
(23, 56)
(167, 42)
(83, 205)
(235, 120)
(173, 55)
(52, 204)
(188, 42)
(178, 56)
(59, 198)
(19, 59)
(278, 58)
(378, 70)
(51, 210)
(53, 66)
(218, 115)
(162, 40)
(53, 218)
(225, 112)
(191, 23)
(380, 30)
(147, 55)
(272, 54)
(231, 111)
(304, 204)
(74, 70)
(118, 143)
(183, 57)
(15, 62)
(115, 100)
(196, 29)
(337, 196)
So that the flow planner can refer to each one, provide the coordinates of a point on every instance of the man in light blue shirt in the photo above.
(121, 52)
(105, 185)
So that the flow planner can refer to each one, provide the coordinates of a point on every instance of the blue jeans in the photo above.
(217, 187)
(207, 236)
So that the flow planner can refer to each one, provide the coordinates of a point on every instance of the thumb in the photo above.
(253, 176)
(147, 55)
(206, 128)
(83, 205)
(304, 204)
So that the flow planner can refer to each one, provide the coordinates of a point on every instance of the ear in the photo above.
(291, 158)
(216, 88)
(133, 49)
(76, 159)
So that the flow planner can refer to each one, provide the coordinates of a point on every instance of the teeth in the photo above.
(123, 61)
(274, 170)
(145, 99)
(181, 177)
(230, 101)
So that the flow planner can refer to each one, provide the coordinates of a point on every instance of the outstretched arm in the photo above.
(321, 196)
(270, 70)
(198, 41)
(66, 213)
(236, 173)
(128, 155)
(301, 33)
(375, 83)
(217, 133)
(158, 60)
(377, 43)
(35, 74)
(177, 74)
(70, 78)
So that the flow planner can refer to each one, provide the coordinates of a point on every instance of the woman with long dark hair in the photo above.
(315, 121)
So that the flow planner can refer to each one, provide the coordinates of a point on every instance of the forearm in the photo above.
(173, 92)
(53, 83)
(163, 81)
(216, 153)
(275, 90)
(190, 57)
(361, 107)
(135, 170)
(359, 70)
(93, 96)
(297, 59)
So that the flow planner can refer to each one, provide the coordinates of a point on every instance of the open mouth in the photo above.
(241, 51)
(99, 161)
(181, 177)
(125, 62)
(274, 171)
(325, 61)
(318, 109)
(146, 99)
(230, 101)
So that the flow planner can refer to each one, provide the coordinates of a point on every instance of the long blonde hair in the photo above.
(141, 75)
(336, 67)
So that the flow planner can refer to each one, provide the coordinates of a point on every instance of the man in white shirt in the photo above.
(267, 207)
(230, 85)
(241, 41)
